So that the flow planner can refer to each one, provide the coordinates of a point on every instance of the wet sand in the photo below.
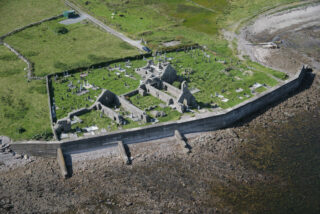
(296, 32)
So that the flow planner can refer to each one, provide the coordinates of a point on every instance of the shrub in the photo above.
(176, 84)
(61, 30)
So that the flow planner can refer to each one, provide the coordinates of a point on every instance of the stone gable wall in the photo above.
(160, 94)
(142, 115)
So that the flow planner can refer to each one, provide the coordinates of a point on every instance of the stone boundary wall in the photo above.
(80, 112)
(99, 65)
(131, 93)
(49, 93)
(23, 58)
(30, 25)
(206, 122)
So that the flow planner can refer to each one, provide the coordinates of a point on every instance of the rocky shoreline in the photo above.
(220, 175)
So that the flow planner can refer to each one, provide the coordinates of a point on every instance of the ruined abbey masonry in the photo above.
(131, 93)
(159, 94)
(206, 122)
(171, 89)
(111, 114)
(135, 111)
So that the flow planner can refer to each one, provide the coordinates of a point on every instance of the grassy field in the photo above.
(197, 21)
(18, 13)
(78, 45)
(24, 111)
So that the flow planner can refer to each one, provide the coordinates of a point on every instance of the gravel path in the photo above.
(73, 20)
(105, 27)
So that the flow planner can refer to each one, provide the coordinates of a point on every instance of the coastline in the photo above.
(161, 178)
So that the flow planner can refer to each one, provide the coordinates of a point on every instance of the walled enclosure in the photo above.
(206, 122)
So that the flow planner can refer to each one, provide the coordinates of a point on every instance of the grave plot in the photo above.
(161, 88)
(214, 81)
(81, 90)
(54, 47)
(155, 108)
(97, 121)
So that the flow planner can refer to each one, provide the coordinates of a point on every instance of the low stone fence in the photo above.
(23, 58)
(30, 25)
(99, 65)
(206, 122)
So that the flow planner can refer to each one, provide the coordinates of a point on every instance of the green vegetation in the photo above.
(18, 13)
(23, 105)
(95, 118)
(217, 79)
(216, 76)
(57, 47)
(145, 102)
(257, 66)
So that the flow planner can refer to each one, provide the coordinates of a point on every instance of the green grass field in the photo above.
(197, 21)
(83, 45)
(18, 13)
(24, 111)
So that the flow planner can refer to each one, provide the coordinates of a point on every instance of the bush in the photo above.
(176, 84)
(61, 30)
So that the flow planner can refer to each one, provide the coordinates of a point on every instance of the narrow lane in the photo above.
(132, 42)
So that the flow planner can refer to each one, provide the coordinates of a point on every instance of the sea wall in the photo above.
(204, 122)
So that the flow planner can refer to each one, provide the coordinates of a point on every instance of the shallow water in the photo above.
(288, 156)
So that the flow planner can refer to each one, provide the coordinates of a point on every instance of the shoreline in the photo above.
(162, 178)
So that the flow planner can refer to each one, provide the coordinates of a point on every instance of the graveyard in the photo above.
(146, 91)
